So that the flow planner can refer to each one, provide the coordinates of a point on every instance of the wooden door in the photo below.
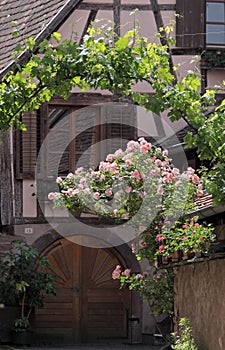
(88, 305)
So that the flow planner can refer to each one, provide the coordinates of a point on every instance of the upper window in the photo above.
(200, 23)
(215, 23)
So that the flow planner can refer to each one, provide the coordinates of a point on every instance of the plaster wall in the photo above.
(200, 296)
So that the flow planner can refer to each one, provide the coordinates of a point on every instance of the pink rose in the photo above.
(102, 177)
(96, 195)
(194, 178)
(144, 148)
(51, 196)
(116, 273)
(159, 237)
(59, 180)
(87, 191)
(128, 162)
(108, 192)
(126, 272)
(133, 248)
(82, 180)
(160, 191)
(158, 162)
(161, 247)
(110, 158)
(118, 153)
(79, 170)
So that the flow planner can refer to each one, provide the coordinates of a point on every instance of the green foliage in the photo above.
(184, 340)
(24, 279)
(114, 63)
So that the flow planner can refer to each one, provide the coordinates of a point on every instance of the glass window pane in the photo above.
(215, 12)
(215, 34)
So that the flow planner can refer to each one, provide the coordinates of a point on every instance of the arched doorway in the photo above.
(88, 305)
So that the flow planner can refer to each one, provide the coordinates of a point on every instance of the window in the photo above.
(82, 137)
(215, 23)
(200, 23)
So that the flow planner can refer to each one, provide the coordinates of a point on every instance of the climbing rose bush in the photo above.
(141, 187)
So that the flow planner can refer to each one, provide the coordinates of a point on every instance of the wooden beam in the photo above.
(91, 18)
(116, 16)
(107, 7)
(163, 37)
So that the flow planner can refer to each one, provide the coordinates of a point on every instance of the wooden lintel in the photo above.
(107, 6)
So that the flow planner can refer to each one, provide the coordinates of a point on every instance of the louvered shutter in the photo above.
(120, 127)
(190, 25)
(26, 147)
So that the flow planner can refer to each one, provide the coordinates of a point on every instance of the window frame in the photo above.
(211, 44)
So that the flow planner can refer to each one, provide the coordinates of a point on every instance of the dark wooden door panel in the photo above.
(88, 305)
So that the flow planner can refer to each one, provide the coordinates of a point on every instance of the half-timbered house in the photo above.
(88, 305)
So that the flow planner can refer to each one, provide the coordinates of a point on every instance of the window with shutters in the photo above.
(215, 22)
(76, 136)
(82, 137)
(200, 23)
(26, 146)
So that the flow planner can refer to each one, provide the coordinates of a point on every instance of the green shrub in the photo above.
(185, 340)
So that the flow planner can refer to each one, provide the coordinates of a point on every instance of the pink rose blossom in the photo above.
(70, 175)
(165, 153)
(158, 162)
(136, 174)
(82, 180)
(200, 193)
(184, 226)
(144, 148)
(51, 196)
(80, 186)
(160, 191)
(102, 177)
(116, 273)
(110, 158)
(79, 170)
(118, 153)
(194, 179)
(161, 247)
(96, 195)
(112, 166)
(200, 187)
(126, 272)
(159, 237)
(108, 192)
(87, 191)
(190, 170)
(102, 166)
(132, 144)
(128, 162)
(59, 180)
(133, 248)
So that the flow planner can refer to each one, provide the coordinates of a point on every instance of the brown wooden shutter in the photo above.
(26, 147)
(190, 26)
(121, 125)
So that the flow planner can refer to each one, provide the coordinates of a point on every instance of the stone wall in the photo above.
(200, 296)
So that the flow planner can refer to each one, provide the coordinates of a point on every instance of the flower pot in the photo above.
(22, 336)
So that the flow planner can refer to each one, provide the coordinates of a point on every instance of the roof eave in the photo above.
(50, 28)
